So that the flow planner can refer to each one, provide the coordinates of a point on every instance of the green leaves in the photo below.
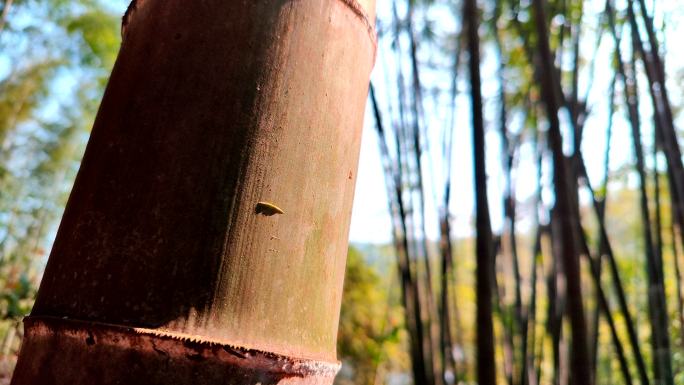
(17, 299)
(371, 332)
(97, 32)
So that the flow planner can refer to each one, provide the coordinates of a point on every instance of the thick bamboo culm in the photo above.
(205, 238)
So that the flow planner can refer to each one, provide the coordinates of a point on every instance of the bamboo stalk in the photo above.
(167, 268)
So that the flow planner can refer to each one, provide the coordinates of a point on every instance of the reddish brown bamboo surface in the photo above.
(166, 259)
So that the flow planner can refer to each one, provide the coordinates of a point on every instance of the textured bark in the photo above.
(212, 108)
(137, 356)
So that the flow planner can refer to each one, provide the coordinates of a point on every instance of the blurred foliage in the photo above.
(55, 57)
(371, 338)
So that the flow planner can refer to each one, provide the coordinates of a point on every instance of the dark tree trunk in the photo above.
(485, 263)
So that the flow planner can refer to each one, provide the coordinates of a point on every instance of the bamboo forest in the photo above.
(520, 162)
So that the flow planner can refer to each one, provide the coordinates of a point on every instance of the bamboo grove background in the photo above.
(556, 291)
(558, 119)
